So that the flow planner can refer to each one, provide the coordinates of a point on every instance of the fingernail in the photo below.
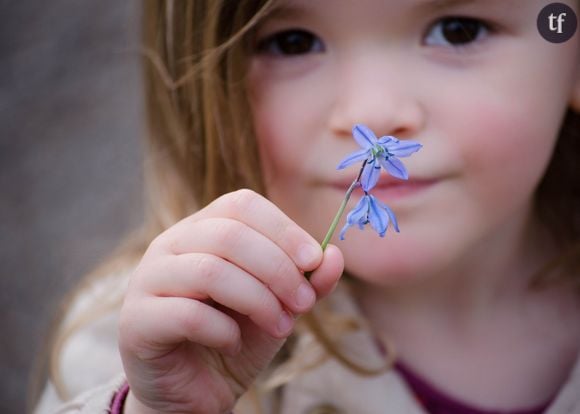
(305, 296)
(307, 254)
(285, 323)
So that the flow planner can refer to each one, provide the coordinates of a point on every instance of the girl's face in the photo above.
(472, 80)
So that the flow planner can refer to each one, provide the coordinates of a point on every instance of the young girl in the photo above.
(472, 308)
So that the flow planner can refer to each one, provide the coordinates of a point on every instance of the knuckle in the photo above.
(244, 194)
(244, 199)
(191, 317)
(142, 278)
(159, 244)
(226, 232)
(145, 277)
(208, 266)
(282, 230)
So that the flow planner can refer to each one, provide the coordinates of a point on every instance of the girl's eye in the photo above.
(456, 32)
(291, 43)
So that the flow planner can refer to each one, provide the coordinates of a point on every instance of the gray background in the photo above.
(70, 179)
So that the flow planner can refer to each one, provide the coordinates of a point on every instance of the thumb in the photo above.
(325, 277)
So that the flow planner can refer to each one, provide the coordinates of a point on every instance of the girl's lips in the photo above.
(390, 188)
(400, 189)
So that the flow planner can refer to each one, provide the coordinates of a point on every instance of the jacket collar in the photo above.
(331, 384)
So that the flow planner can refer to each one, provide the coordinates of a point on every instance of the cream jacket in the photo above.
(91, 358)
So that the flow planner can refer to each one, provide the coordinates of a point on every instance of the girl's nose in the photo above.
(380, 97)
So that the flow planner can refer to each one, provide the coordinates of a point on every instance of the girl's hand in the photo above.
(213, 300)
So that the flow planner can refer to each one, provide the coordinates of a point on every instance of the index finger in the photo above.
(265, 217)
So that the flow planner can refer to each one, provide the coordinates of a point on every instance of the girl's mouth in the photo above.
(390, 188)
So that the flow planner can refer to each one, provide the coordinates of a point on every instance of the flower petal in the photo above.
(391, 215)
(364, 136)
(343, 231)
(395, 167)
(402, 148)
(359, 210)
(385, 140)
(356, 156)
(356, 214)
(370, 175)
(378, 217)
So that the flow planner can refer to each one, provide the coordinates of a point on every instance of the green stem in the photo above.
(336, 219)
(338, 215)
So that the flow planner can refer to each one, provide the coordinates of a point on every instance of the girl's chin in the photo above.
(384, 268)
(395, 279)
(385, 262)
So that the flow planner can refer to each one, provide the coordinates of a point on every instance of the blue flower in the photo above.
(373, 211)
(382, 152)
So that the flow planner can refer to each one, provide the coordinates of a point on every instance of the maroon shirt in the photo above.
(435, 401)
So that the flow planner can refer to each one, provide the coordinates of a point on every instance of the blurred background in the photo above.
(70, 159)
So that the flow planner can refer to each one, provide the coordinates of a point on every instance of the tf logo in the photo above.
(557, 22)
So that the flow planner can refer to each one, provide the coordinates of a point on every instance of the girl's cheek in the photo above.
(285, 120)
(507, 152)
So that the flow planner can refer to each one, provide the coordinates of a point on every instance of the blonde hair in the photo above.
(201, 144)
(200, 141)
